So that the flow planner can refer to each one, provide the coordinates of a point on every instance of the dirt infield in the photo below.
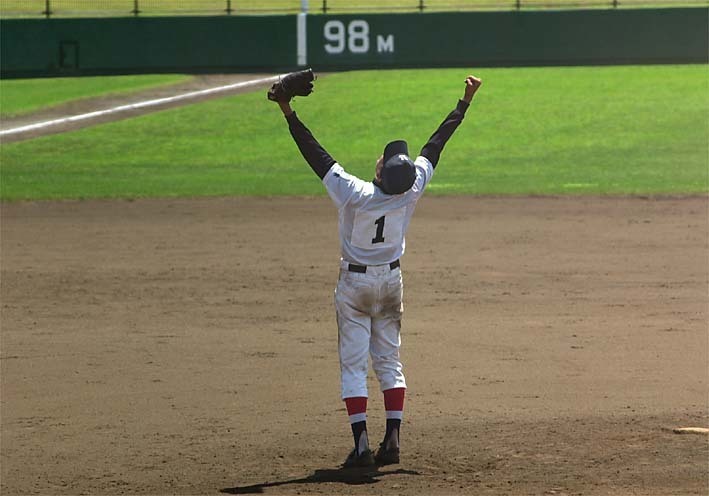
(189, 347)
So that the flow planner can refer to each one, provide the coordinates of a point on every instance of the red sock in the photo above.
(394, 402)
(356, 408)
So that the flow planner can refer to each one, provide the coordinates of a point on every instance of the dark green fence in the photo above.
(55, 47)
(509, 38)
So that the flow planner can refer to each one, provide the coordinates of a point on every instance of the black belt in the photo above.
(363, 268)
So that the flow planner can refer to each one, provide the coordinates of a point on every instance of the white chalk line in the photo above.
(138, 105)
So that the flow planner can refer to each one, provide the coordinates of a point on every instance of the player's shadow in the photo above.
(352, 476)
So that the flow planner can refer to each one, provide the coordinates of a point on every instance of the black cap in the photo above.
(399, 172)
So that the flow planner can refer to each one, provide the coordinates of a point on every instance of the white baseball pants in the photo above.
(369, 309)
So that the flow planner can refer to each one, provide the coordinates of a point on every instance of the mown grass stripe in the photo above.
(632, 130)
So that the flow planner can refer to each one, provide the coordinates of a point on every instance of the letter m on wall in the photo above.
(385, 44)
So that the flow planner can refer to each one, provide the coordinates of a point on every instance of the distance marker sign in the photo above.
(351, 41)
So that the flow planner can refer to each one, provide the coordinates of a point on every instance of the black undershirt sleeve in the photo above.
(316, 156)
(432, 150)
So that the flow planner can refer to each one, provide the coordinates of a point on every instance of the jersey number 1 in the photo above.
(379, 237)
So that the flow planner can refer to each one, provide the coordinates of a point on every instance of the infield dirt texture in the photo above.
(190, 347)
(158, 347)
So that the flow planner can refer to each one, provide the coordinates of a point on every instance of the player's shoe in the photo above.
(364, 459)
(386, 456)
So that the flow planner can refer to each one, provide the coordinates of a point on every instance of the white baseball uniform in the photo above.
(369, 305)
(372, 227)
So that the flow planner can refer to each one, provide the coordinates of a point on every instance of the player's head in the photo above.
(396, 172)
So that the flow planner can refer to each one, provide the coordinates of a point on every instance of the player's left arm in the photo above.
(316, 156)
(433, 148)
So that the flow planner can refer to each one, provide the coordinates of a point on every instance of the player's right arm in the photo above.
(432, 150)
(341, 186)
(316, 156)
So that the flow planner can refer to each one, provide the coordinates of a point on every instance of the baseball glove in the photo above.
(294, 84)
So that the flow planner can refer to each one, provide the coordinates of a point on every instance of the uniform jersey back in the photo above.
(373, 224)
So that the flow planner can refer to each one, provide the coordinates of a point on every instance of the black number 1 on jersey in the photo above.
(379, 237)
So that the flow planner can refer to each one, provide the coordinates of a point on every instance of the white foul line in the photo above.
(139, 105)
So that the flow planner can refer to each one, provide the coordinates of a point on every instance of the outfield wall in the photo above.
(52, 47)
(55, 47)
(511, 38)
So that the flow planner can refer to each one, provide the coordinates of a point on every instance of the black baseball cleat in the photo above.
(386, 456)
(364, 459)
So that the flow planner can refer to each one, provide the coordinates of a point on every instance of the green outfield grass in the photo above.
(21, 96)
(34, 8)
(540, 131)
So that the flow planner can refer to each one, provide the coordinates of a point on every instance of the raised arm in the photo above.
(432, 150)
(316, 156)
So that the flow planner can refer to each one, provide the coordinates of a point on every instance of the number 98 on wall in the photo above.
(354, 38)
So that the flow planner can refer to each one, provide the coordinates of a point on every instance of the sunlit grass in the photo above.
(20, 96)
(540, 131)
(32, 8)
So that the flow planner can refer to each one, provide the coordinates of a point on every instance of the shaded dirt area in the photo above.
(189, 347)
(101, 103)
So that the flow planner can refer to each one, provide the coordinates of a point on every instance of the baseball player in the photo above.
(373, 218)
